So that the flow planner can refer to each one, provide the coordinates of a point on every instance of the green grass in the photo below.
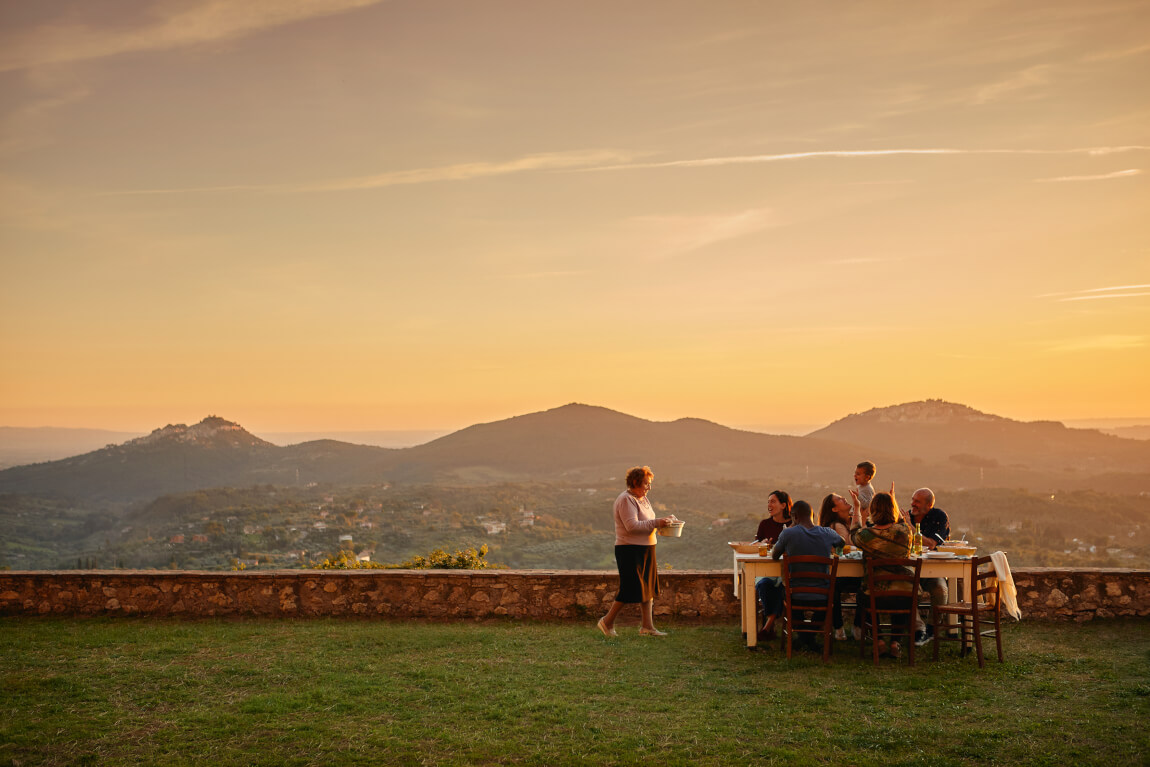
(323, 692)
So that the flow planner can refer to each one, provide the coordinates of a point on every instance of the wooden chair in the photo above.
(882, 599)
(811, 587)
(983, 610)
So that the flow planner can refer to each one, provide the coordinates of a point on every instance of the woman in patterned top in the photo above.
(887, 536)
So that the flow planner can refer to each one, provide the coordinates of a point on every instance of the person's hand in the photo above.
(663, 522)
(892, 489)
(929, 543)
(855, 495)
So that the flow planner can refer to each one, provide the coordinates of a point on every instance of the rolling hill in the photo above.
(943, 432)
(933, 442)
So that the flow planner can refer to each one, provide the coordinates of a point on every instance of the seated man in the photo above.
(935, 526)
(803, 537)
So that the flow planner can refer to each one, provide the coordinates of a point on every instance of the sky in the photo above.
(356, 214)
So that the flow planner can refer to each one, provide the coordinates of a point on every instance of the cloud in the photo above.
(1099, 177)
(664, 236)
(459, 172)
(1110, 295)
(1091, 294)
(862, 260)
(1108, 343)
(1119, 54)
(23, 128)
(197, 22)
(1031, 77)
(765, 158)
(587, 161)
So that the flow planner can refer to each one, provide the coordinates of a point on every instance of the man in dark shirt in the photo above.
(804, 537)
(935, 527)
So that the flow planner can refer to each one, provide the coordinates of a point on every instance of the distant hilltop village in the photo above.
(931, 411)
(211, 430)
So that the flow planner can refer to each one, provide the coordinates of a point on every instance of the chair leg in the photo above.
(998, 635)
(934, 621)
(874, 636)
(828, 634)
(978, 641)
(788, 628)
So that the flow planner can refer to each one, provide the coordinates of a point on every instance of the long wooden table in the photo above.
(748, 567)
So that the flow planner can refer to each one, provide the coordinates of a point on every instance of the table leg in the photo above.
(750, 611)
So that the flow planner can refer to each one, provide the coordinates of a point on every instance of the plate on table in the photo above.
(938, 555)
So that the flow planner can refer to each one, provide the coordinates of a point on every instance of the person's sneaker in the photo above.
(921, 638)
(857, 633)
(840, 635)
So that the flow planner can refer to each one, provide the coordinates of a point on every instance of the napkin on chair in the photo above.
(1006, 586)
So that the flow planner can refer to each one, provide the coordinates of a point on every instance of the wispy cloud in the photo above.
(589, 161)
(1108, 343)
(555, 274)
(1108, 295)
(205, 21)
(459, 172)
(862, 260)
(665, 236)
(706, 162)
(1027, 79)
(1094, 294)
(1098, 177)
(1121, 53)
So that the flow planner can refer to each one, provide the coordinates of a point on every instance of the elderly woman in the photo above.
(835, 513)
(770, 590)
(635, 525)
(887, 536)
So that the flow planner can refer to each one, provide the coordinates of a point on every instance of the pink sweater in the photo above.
(634, 521)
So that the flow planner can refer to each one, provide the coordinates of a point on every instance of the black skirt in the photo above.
(638, 576)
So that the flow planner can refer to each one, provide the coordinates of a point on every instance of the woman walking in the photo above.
(635, 525)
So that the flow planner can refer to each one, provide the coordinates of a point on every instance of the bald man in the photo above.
(935, 527)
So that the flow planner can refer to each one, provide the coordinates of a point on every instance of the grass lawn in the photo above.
(325, 692)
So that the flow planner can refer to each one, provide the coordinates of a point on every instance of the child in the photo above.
(864, 473)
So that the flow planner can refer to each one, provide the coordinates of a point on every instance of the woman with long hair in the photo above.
(770, 590)
(888, 536)
(835, 513)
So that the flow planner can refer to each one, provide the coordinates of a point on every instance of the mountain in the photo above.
(919, 443)
(582, 443)
(176, 458)
(943, 432)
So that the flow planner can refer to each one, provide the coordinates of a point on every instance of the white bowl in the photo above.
(673, 530)
(744, 548)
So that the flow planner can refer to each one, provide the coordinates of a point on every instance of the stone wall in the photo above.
(687, 596)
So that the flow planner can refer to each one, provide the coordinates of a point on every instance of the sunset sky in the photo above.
(349, 214)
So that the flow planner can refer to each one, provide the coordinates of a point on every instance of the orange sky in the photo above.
(348, 214)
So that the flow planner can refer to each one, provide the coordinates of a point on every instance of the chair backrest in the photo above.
(883, 576)
(983, 582)
(808, 578)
